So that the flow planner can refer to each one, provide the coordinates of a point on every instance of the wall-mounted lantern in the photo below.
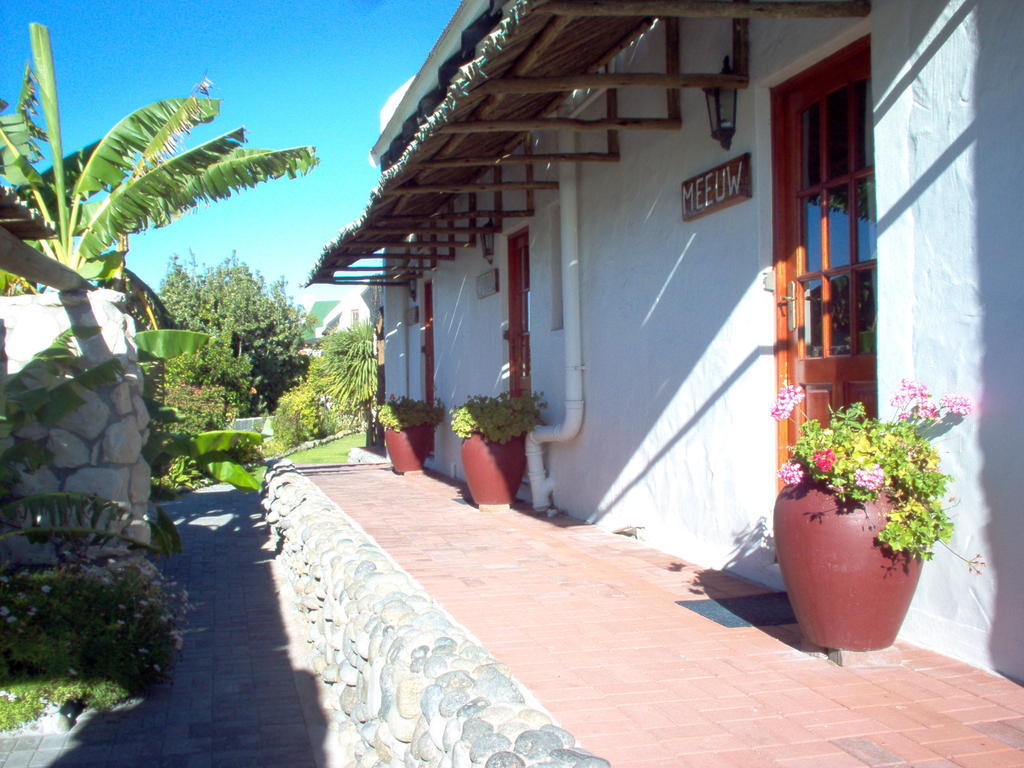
(487, 243)
(722, 110)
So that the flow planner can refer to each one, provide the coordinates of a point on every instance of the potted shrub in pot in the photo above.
(409, 431)
(861, 509)
(493, 431)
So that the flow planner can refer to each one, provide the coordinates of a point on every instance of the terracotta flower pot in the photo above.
(847, 590)
(409, 448)
(493, 470)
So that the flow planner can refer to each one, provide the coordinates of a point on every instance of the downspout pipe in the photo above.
(541, 483)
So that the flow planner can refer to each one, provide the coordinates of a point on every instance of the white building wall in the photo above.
(678, 328)
(949, 118)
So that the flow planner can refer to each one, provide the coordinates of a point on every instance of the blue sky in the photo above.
(310, 72)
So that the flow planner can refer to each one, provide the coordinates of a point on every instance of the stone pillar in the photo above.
(98, 447)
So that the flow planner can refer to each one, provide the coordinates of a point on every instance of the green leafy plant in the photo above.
(213, 452)
(498, 419)
(201, 408)
(860, 458)
(404, 412)
(135, 177)
(95, 635)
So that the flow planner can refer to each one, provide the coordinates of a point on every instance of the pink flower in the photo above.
(927, 410)
(791, 473)
(790, 396)
(958, 404)
(909, 395)
(824, 460)
(870, 479)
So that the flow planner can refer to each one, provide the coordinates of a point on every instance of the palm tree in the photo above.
(137, 176)
(350, 362)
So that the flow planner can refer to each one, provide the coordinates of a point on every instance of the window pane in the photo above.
(866, 250)
(812, 234)
(812, 319)
(839, 305)
(865, 311)
(864, 149)
(838, 136)
(838, 227)
(811, 127)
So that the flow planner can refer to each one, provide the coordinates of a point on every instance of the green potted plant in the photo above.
(493, 431)
(862, 507)
(409, 431)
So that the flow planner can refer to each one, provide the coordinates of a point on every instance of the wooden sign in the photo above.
(487, 284)
(722, 186)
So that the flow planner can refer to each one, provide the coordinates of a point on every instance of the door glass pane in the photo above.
(812, 234)
(839, 306)
(812, 319)
(838, 227)
(865, 311)
(811, 129)
(838, 136)
(863, 150)
(866, 250)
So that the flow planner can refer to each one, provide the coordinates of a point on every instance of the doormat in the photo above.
(766, 610)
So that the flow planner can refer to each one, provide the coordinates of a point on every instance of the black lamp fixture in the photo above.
(487, 243)
(722, 110)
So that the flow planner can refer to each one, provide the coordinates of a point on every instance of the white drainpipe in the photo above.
(541, 484)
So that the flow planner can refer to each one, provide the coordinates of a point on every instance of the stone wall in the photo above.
(410, 688)
(97, 448)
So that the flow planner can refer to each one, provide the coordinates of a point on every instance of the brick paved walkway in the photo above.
(588, 621)
(235, 700)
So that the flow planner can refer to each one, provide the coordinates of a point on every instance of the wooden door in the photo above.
(428, 341)
(518, 334)
(825, 235)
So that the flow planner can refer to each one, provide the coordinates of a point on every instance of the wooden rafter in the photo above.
(723, 9)
(403, 255)
(406, 244)
(567, 83)
(413, 229)
(540, 157)
(564, 124)
(455, 216)
(505, 186)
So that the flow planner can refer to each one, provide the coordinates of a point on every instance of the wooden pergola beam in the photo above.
(398, 269)
(769, 9)
(454, 216)
(406, 255)
(505, 186)
(547, 157)
(419, 230)
(566, 83)
(408, 244)
(563, 124)
(383, 283)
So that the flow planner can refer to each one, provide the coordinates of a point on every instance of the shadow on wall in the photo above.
(999, 167)
(234, 696)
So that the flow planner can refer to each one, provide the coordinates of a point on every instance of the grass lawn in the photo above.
(335, 452)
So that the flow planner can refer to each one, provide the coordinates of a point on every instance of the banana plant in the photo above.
(137, 176)
(211, 451)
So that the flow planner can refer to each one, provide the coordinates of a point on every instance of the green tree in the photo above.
(350, 364)
(251, 318)
(138, 176)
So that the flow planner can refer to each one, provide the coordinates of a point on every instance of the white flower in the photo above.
(46, 588)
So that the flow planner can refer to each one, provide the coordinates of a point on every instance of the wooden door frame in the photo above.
(515, 319)
(428, 341)
(784, 218)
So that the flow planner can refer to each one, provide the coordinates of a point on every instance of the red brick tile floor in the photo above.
(587, 620)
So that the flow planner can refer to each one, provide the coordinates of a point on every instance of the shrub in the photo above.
(201, 408)
(95, 635)
(404, 412)
(498, 419)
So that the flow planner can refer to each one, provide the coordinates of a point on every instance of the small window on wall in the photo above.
(355, 317)
(555, 228)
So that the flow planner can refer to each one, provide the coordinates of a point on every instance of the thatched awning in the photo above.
(526, 65)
